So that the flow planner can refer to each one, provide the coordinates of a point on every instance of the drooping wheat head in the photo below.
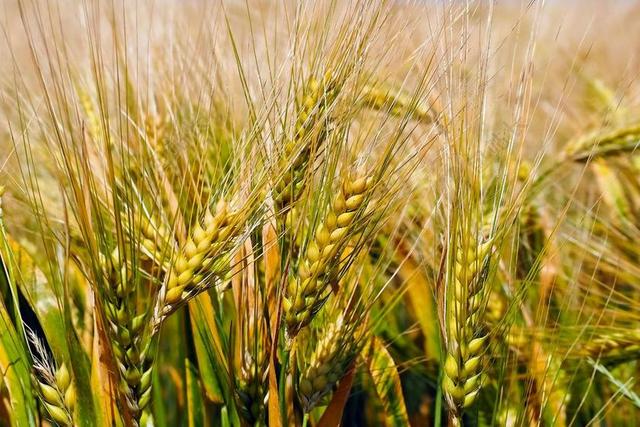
(203, 257)
(613, 346)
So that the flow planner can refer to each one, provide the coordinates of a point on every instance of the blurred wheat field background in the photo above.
(356, 213)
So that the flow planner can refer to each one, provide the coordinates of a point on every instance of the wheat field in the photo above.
(319, 213)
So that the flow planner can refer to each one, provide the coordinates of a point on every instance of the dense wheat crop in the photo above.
(301, 213)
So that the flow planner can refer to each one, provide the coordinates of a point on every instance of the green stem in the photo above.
(282, 386)
(305, 419)
(438, 412)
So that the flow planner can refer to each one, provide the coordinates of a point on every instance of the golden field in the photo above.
(356, 213)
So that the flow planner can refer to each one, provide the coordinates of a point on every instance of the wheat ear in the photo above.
(614, 346)
(54, 386)
(310, 132)
(396, 102)
(251, 387)
(131, 344)
(205, 257)
(604, 143)
(308, 291)
(466, 341)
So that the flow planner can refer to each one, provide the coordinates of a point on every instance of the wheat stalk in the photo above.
(2, 191)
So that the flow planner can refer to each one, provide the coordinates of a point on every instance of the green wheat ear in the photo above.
(327, 364)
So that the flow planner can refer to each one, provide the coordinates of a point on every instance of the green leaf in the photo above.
(42, 299)
(195, 404)
(14, 364)
(207, 346)
(386, 382)
(39, 292)
(422, 302)
(85, 411)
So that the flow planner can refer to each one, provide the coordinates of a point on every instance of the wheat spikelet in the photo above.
(154, 238)
(251, 338)
(396, 102)
(496, 309)
(614, 346)
(614, 193)
(57, 394)
(307, 293)
(156, 129)
(94, 127)
(54, 386)
(604, 143)
(251, 387)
